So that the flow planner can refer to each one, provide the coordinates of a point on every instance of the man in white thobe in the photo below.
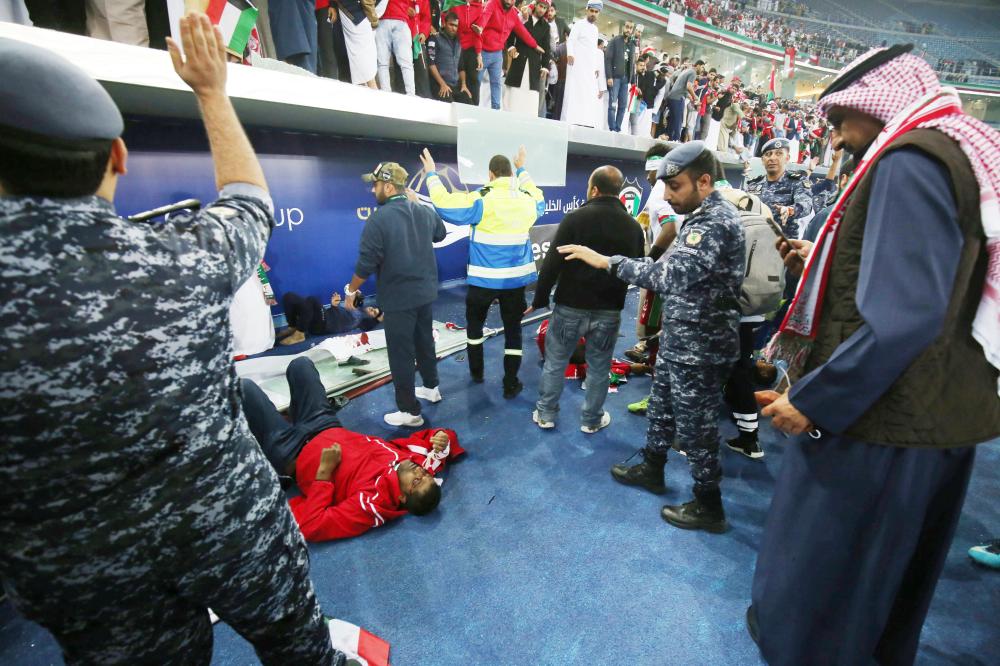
(581, 99)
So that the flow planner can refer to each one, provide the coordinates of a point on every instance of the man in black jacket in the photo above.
(619, 59)
(588, 301)
(649, 85)
(530, 59)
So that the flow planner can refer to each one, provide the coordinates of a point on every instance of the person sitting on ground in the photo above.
(350, 482)
(307, 316)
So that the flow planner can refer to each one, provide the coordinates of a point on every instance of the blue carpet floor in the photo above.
(537, 557)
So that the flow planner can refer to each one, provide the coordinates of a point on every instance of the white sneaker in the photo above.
(541, 422)
(431, 395)
(605, 422)
(404, 419)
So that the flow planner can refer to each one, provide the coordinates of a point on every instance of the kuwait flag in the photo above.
(358, 644)
(447, 5)
(770, 84)
(236, 20)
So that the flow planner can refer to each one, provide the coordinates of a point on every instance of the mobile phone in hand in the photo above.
(779, 232)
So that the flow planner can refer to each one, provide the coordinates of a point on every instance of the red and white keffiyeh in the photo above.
(905, 94)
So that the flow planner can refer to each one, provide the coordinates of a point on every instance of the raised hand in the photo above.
(203, 63)
(521, 158)
(427, 161)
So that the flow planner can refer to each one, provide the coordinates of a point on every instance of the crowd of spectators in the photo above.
(758, 21)
(439, 50)
(731, 117)
(960, 71)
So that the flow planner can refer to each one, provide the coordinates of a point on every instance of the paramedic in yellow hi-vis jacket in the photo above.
(500, 258)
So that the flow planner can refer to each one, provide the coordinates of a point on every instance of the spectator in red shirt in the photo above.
(350, 482)
(471, 42)
(495, 25)
(394, 39)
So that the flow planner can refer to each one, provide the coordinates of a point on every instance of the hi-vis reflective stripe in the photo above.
(513, 352)
(475, 341)
(499, 273)
(499, 239)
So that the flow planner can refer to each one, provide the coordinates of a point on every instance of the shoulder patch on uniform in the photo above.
(796, 175)
(756, 179)
(693, 238)
(222, 211)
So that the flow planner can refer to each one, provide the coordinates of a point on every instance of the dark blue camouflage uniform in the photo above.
(823, 192)
(789, 190)
(699, 280)
(133, 493)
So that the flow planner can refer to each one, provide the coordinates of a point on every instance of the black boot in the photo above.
(475, 355)
(747, 444)
(648, 474)
(511, 387)
(701, 513)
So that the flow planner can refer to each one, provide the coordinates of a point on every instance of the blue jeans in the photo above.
(675, 121)
(568, 325)
(310, 413)
(393, 38)
(617, 104)
(493, 66)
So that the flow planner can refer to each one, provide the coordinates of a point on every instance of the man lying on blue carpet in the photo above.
(350, 482)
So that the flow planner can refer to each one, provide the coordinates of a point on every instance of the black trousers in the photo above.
(310, 413)
(739, 386)
(327, 64)
(304, 314)
(409, 336)
(422, 82)
(854, 543)
(61, 15)
(477, 305)
(467, 64)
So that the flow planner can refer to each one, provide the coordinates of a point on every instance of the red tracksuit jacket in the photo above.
(497, 24)
(420, 22)
(364, 490)
(467, 15)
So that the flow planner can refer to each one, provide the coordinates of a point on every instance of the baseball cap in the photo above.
(387, 172)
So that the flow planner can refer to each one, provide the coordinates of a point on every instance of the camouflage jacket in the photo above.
(789, 190)
(699, 280)
(118, 398)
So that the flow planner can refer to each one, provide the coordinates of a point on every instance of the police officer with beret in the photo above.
(786, 193)
(134, 496)
(699, 280)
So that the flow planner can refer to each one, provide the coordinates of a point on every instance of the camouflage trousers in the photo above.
(138, 594)
(683, 409)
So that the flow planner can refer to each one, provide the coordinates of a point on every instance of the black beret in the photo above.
(45, 94)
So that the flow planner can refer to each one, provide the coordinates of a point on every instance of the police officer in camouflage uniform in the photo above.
(699, 280)
(786, 193)
(133, 494)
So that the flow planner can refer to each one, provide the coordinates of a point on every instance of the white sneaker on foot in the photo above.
(431, 395)
(605, 422)
(541, 422)
(404, 419)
